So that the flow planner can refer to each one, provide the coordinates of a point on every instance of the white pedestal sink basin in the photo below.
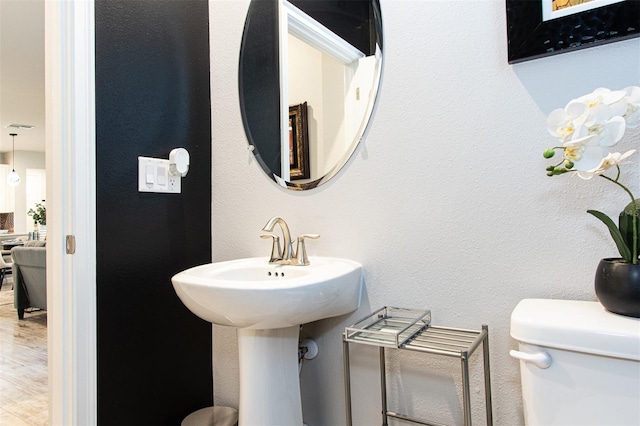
(267, 303)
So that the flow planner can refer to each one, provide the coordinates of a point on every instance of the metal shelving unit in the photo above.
(404, 329)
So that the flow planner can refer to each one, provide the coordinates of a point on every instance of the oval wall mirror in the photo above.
(308, 81)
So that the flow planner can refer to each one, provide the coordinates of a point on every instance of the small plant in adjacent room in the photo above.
(588, 128)
(38, 214)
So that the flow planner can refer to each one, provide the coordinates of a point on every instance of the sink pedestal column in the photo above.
(269, 381)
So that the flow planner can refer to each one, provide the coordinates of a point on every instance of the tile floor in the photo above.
(23, 365)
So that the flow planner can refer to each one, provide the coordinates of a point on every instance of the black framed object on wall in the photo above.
(298, 142)
(535, 32)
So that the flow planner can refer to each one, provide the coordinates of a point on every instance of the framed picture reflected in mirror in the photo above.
(298, 142)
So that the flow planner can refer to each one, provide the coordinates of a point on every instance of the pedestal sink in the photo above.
(267, 303)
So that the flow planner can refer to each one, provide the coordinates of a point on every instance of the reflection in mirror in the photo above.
(325, 54)
(298, 142)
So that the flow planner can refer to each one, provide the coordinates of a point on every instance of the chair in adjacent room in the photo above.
(4, 268)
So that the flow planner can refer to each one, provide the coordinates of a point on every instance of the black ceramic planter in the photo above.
(618, 287)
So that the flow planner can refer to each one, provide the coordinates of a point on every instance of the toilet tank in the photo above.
(579, 364)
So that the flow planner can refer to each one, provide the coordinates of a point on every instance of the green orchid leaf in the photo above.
(625, 222)
(628, 209)
(624, 250)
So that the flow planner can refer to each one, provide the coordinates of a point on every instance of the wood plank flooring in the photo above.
(24, 399)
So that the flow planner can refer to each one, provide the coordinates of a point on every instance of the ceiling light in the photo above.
(13, 178)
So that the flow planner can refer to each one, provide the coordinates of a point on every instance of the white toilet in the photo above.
(579, 364)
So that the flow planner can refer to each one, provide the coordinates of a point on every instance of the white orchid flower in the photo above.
(609, 130)
(602, 96)
(606, 129)
(588, 127)
(585, 153)
(562, 123)
(600, 113)
(613, 159)
(632, 115)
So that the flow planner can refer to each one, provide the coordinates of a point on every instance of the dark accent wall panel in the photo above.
(152, 95)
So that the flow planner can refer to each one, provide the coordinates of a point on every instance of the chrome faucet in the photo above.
(286, 254)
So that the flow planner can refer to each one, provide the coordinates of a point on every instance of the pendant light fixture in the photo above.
(13, 178)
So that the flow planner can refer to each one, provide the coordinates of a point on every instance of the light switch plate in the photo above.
(153, 176)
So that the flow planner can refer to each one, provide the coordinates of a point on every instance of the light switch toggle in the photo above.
(150, 173)
(162, 175)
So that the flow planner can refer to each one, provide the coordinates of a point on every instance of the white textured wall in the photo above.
(446, 204)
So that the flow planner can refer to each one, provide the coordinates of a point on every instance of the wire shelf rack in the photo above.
(408, 329)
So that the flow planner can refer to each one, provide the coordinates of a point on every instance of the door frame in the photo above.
(71, 205)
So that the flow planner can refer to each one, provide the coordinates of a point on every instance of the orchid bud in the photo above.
(568, 164)
(549, 152)
(557, 171)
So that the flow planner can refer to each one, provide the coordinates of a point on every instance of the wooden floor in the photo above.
(24, 396)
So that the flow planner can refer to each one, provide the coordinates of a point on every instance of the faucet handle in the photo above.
(301, 251)
(276, 251)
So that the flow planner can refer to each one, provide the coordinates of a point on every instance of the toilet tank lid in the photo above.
(576, 325)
